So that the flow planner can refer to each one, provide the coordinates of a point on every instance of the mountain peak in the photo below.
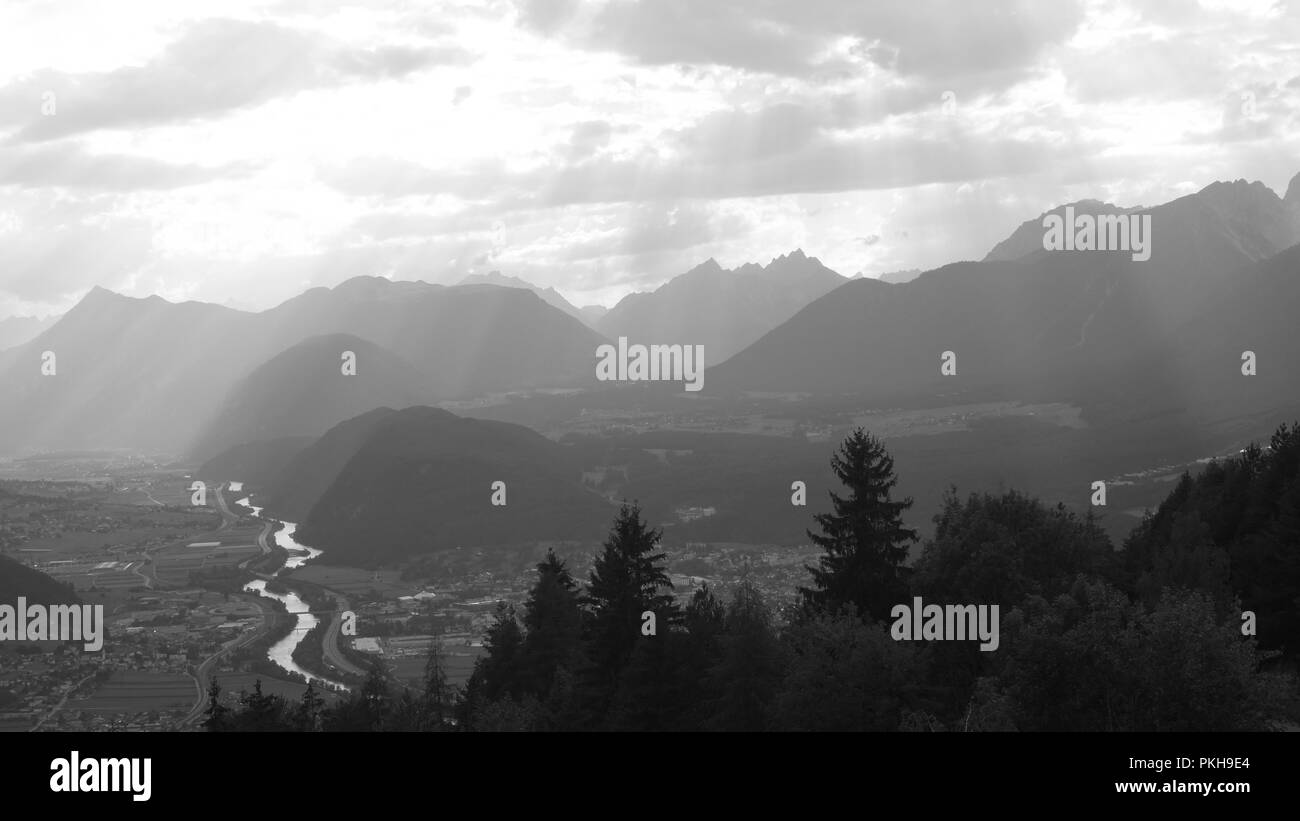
(1292, 197)
(100, 292)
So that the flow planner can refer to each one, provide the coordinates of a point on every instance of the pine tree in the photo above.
(307, 718)
(218, 714)
(750, 666)
(497, 674)
(553, 618)
(864, 540)
(437, 702)
(261, 713)
(626, 580)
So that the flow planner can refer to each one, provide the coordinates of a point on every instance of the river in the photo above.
(282, 651)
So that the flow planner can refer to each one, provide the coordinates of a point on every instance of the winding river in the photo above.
(282, 651)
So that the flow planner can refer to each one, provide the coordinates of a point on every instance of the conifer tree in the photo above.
(864, 540)
(553, 618)
(218, 714)
(626, 581)
(437, 702)
(307, 718)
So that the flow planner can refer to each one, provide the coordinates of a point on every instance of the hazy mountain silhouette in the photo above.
(466, 339)
(1043, 325)
(1197, 241)
(1198, 372)
(724, 310)
(550, 296)
(899, 277)
(259, 463)
(304, 392)
(147, 373)
(421, 480)
(128, 372)
(16, 330)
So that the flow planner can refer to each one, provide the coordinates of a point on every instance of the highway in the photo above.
(330, 646)
(204, 671)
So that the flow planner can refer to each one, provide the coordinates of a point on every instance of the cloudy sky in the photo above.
(240, 152)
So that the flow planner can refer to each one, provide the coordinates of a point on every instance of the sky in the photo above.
(241, 152)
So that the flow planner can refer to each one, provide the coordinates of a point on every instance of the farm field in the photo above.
(354, 580)
(137, 691)
(457, 662)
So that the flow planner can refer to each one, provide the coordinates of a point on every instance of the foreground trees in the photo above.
(1149, 639)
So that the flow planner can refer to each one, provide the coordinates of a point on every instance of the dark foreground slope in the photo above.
(17, 579)
(422, 481)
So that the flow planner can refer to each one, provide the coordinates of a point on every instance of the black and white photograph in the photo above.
(574, 367)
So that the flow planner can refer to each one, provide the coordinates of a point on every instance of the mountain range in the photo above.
(305, 391)
(1114, 335)
(725, 310)
(1025, 323)
(587, 314)
(117, 371)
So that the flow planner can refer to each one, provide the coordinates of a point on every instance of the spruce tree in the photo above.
(626, 580)
(750, 665)
(437, 700)
(864, 540)
(218, 714)
(497, 673)
(553, 618)
(307, 717)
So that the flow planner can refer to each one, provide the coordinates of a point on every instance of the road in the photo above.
(204, 671)
(227, 517)
(150, 577)
(330, 645)
(267, 527)
(62, 702)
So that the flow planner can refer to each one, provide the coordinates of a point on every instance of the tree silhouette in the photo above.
(626, 580)
(864, 540)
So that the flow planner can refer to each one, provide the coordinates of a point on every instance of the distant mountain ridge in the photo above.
(1029, 323)
(305, 391)
(726, 310)
(550, 296)
(150, 374)
(15, 330)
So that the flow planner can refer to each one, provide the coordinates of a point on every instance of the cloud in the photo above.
(68, 166)
(934, 39)
(588, 138)
(57, 249)
(396, 177)
(823, 164)
(215, 67)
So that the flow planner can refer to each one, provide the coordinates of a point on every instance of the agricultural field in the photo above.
(135, 691)
(351, 580)
(457, 663)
